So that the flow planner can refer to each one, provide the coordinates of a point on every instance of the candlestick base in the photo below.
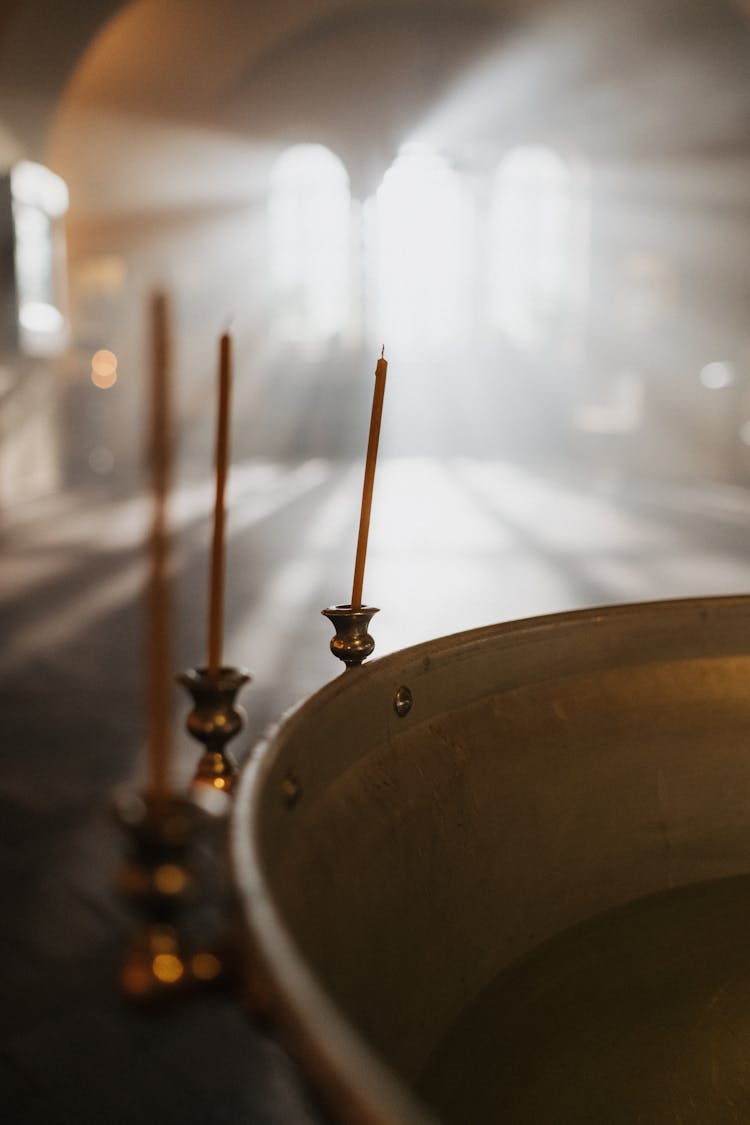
(214, 721)
(352, 642)
(179, 940)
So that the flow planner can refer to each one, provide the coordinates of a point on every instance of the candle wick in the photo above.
(382, 351)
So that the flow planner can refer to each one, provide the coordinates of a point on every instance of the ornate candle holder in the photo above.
(168, 876)
(215, 720)
(352, 642)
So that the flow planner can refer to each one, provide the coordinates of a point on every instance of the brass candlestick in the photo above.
(214, 721)
(179, 942)
(352, 643)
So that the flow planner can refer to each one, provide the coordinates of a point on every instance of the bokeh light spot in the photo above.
(717, 375)
(170, 879)
(105, 381)
(205, 966)
(167, 968)
(104, 362)
(104, 369)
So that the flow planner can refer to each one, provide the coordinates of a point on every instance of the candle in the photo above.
(159, 660)
(369, 481)
(216, 590)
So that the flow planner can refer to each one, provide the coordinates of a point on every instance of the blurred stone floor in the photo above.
(454, 544)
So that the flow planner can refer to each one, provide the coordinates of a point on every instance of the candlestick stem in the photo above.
(369, 481)
(216, 593)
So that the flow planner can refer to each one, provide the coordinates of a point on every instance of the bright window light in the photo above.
(34, 256)
(37, 316)
(39, 198)
(532, 237)
(37, 186)
(420, 241)
(309, 243)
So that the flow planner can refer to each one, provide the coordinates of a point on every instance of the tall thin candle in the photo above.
(216, 592)
(372, 455)
(159, 616)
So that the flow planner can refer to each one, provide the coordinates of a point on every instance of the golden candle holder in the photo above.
(352, 642)
(214, 721)
(171, 877)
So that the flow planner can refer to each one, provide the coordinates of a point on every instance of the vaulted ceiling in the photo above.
(161, 104)
(332, 69)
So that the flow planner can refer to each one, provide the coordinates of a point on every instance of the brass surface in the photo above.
(214, 721)
(641, 1015)
(352, 642)
(551, 771)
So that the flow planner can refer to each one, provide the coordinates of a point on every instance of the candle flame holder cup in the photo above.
(214, 721)
(352, 642)
(178, 942)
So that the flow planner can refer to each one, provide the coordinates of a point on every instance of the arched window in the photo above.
(309, 215)
(537, 246)
(420, 252)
